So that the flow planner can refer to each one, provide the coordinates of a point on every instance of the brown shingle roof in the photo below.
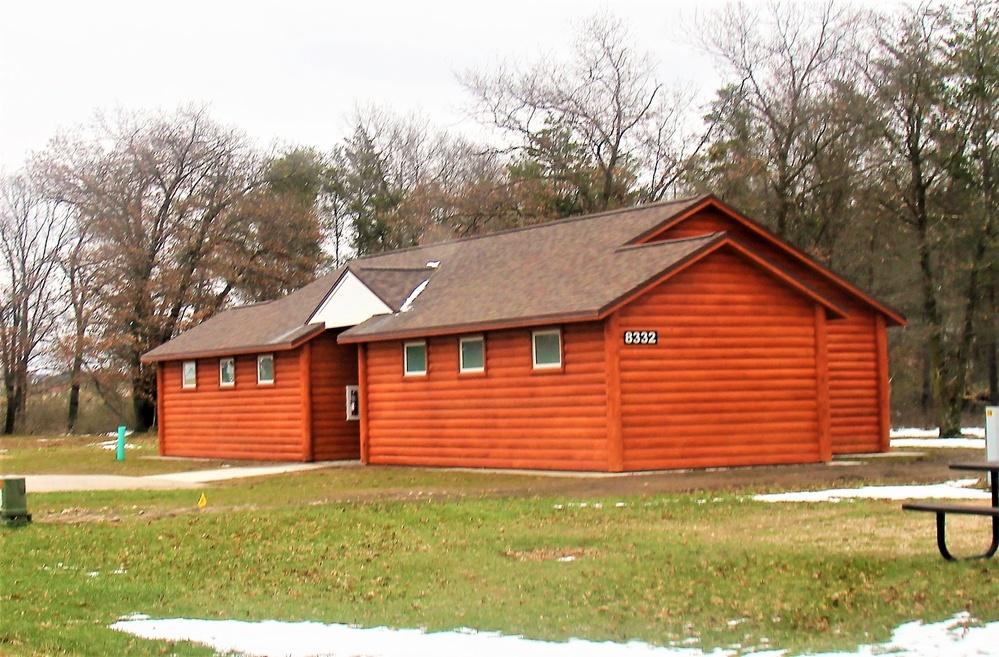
(571, 269)
(574, 269)
(272, 325)
(476, 289)
(393, 286)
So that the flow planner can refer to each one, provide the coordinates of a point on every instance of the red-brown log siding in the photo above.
(733, 380)
(300, 417)
(853, 384)
(509, 417)
(244, 421)
(334, 367)
(858, 386)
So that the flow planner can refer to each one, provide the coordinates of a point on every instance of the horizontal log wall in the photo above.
(334, 367)
(854, 396)
(733, 379)
(509, 417)
(245, 421)
(858, 388)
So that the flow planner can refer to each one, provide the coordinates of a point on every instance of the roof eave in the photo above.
(151, 357)
(588, 315)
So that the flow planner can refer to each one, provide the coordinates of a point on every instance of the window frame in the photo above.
(462, 368)
(260, 359)
(222, 382)
(405, 358)
(192, 383)
(557, 332)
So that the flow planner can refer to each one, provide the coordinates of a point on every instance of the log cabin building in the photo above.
(673, 335)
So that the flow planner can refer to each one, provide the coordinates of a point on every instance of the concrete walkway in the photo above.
(176, 480)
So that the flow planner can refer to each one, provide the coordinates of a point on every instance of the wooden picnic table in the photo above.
(941, 510)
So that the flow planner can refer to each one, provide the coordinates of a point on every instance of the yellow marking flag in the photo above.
(203, 502)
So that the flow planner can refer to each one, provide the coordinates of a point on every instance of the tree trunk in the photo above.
(11, 410)
(73, 411)
(991, 346)
(926, 392)
(143, 396)
(14, 418)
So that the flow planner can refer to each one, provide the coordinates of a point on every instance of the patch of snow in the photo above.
(972, 438)
(953, 443)
(951, 490)
(407, 305)
(586, 505)
(961, 636)
(113, 445)
(915, 432)
(273, 638)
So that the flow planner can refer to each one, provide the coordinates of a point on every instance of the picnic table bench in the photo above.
(941, 510)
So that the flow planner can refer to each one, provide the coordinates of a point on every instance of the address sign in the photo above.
(641, 337)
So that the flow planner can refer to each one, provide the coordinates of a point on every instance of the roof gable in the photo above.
(740, 220)
(727, 242)
(348, 303)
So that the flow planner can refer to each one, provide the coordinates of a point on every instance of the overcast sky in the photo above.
(291, 71)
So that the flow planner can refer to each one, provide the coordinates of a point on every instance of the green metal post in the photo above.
(121, 443)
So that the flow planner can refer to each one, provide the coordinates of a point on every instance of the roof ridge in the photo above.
(677, 240)
(545, 224)
(368, 268)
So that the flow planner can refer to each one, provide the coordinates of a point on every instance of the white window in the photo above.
(547, 348)
(472, 353)
(265, 368)
(353, 403)
(415, 356)
(190, 374)
(227, 372)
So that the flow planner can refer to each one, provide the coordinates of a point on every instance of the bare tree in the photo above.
(974, 56)
(398, 182)
(934, 78)
(599, 128)
(76, 343)
(158, 196)
(32, 231)
(786, 105)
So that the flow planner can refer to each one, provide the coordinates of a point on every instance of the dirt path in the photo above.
(897, 468)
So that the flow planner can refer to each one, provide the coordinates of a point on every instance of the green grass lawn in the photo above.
(439, 550)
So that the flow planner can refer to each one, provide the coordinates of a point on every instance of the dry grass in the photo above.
(663, 558)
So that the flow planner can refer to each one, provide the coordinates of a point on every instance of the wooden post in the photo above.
(822, 384)
(305, 376)
(884, 390)
(160, 424)
(612, 364)
(362, 398)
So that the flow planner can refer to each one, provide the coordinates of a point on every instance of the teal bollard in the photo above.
(121, 443)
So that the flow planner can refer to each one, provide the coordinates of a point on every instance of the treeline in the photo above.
(869, 141)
